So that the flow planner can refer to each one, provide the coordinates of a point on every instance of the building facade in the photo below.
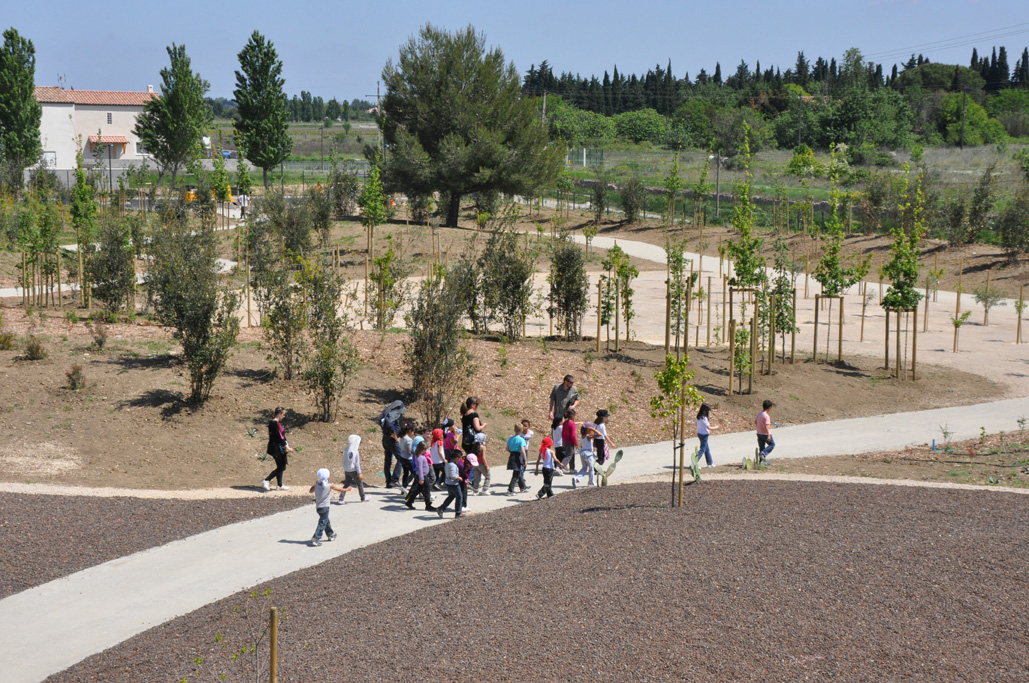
(81, 120)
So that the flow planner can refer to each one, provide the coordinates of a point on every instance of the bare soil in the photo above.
(996, 460)
(749, 581)
(130, 426)
(47, 537)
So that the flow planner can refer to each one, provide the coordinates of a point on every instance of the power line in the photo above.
(959, 41)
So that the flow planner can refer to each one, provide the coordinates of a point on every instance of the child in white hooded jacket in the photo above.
(352, 468)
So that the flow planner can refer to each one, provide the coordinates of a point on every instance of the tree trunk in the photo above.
(264, 171)
(454, 210)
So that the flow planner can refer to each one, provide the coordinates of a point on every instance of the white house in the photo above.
(77, 120)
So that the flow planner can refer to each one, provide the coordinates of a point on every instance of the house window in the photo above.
(109, 118)
(141, 150)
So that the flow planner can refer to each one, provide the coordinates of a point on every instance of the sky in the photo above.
(338, 49)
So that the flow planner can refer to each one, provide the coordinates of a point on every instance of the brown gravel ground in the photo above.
(47, 537)
(750, 581)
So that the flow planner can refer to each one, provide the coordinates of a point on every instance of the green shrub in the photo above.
(6, 340)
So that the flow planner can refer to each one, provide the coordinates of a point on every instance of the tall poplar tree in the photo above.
(172, 125)
(262, 126)
(20, 113)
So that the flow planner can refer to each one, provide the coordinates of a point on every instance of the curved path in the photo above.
(99, 607)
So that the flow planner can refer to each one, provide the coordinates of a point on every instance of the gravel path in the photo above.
(753, 580)
(47, 537)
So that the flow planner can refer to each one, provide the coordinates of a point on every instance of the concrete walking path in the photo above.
(51, 627)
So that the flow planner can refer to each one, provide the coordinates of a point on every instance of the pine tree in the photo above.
(717, 78)
(1003, 72)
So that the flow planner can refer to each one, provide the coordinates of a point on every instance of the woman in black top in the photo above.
(278, 448)
(470, 425)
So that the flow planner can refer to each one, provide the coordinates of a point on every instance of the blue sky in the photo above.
(338, 49)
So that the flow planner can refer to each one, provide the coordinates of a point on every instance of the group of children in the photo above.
(454, 460)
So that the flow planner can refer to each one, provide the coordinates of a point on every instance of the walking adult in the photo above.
(278, 448)
(389, 420)
(470, 425)
(562, 397)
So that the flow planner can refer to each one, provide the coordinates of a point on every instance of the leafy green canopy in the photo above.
(262, 126)
(454, 121)
(902, 269)
(20, 113)
(172, 125)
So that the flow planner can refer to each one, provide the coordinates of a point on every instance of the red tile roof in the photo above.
(114, 98)
(108, 139)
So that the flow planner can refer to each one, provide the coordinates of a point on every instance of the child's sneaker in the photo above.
(265, 485)
(315, 542)
(331, 536)
(575, 481)
(284, 488)
(439, 511)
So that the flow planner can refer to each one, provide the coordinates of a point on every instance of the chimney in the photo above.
(150, 88)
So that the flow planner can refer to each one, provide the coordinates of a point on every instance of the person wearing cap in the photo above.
(562, 397)
(546, 457)
(322, 491)
(516, 459)
(765, 442)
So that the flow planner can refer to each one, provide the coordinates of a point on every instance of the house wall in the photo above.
(57, 133)
(91, 119)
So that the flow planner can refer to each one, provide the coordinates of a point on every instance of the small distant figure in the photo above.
(322, 491)
(244, 203)
(602, 443)
(478, 461)
(278, 448)
(704, 428)
(546, 458)
(352, 468)
(425, 477)
(765, 442)
(516, 457)
(562, 397)
(453, 482)
(588, 432)
(570, 439)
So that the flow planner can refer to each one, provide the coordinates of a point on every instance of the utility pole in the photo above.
(378, 110)
(543, 119)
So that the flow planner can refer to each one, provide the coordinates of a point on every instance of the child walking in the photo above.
(546, 456)
(352, 469)
(516, 458)
(322, 491)
(481, 486)
(602, 443)
(587, 431)
(570, 439)
(424, 478)
(704, 428)
(453, 483)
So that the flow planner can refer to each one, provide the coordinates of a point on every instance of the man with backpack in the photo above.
(389, 422)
